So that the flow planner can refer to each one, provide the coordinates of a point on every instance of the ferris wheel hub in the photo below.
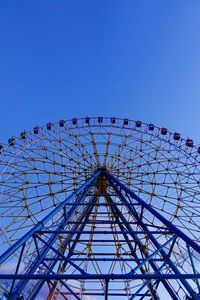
(102, 168)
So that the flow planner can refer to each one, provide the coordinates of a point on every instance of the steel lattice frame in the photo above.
(99, 208)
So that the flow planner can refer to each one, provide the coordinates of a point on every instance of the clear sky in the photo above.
(133, 58)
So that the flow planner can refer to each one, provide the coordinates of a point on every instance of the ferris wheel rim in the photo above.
(69, 122)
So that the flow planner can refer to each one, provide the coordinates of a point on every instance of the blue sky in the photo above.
(133, 58)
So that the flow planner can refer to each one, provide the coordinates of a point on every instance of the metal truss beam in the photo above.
(51, 259)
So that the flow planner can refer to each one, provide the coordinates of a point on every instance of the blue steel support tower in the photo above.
(104, 241)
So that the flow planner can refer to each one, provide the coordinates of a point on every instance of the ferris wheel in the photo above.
(110, 164)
